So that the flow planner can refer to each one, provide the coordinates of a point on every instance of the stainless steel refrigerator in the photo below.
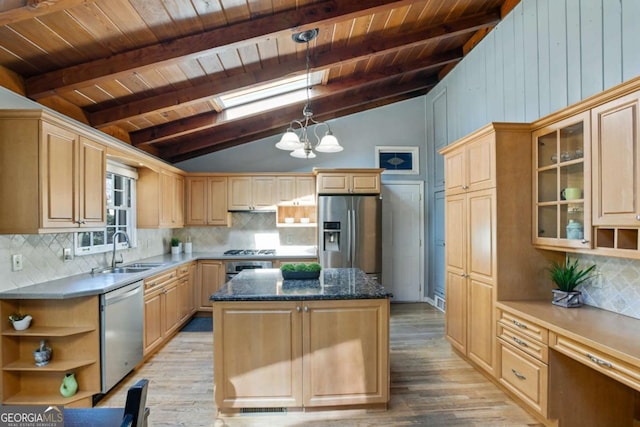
(349, 232)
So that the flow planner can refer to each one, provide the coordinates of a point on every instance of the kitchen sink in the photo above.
(123, 270)
(146, 265)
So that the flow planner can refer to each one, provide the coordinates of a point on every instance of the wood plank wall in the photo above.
(544, 56)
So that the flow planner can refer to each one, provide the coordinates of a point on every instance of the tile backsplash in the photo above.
(42, 253)
(616, 287)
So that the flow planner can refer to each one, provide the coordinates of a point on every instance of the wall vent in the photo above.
(262, 411)
(440, 303)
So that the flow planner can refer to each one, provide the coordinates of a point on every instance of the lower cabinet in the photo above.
(301, 353)
(523, 353)
(168, 304)
(210, 278)
(71, 328)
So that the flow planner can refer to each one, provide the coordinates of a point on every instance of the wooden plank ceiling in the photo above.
(147, 71)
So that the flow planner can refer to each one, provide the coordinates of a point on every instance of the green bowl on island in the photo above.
(300, 271)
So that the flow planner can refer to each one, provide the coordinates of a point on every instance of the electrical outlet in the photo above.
(16, 262)
(597, 280)
(66, 254)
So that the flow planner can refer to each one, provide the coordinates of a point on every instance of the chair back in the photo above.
(136, 403)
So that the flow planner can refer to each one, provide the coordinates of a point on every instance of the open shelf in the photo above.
(52, 366)
(48, 331)
(48, 398)
(617, 238)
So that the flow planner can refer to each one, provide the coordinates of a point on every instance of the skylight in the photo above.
(269, 93)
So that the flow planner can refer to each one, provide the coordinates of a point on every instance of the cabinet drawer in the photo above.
(613, 367)
(531, 347)
(160, 279)
(524, 376)
(183, 270)
(526, 328)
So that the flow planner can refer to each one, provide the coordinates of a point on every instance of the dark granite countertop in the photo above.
(268, 285)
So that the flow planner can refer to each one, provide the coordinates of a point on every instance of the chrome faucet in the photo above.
(115, 241)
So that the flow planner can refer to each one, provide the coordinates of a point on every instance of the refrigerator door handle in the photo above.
(349, 236)
(352, 239)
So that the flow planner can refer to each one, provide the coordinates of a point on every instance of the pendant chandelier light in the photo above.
(296, 138)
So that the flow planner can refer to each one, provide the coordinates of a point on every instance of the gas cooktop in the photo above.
(250, 252)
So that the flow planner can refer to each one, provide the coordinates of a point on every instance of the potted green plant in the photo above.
(175, 246)
(567, 277)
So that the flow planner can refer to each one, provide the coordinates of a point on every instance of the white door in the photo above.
(402, 233)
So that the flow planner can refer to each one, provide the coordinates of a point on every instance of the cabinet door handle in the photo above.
(518, 374)
(638, 217)
(520, 342)
(465, 187)
(584, 241)
(306, 308)
(298, 309)
(464, 275)
(599, 361)
(519, 325)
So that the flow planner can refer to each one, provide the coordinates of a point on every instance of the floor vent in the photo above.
(440, 303)
(263, 411)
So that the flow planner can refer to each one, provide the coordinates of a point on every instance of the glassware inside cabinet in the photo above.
(571, 142)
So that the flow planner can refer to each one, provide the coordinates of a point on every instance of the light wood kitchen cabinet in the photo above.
(186, 291)
(524, 358)
(616, 163)
(562, 184)
(206, 202)
(160, 195)
(470, 269)
(249, 193)
(349, 181)
(472, 167)
(211, 276)
(296, 190)
(488, 251)
(310, 353)
(60, 173)
(168, 305)
(71, 327)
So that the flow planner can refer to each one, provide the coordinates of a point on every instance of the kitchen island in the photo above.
(301, 343)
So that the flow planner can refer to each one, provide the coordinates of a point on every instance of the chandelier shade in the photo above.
(296, 137)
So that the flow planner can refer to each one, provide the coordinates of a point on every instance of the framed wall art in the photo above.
(397, 160)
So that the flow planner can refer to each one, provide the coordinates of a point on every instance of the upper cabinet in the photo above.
(348, 181)
(471, 168)
(250, 193)
(206, 202)
(562, 183)
(160, 199)
(53, 175)
(616, 162)
(296, 190)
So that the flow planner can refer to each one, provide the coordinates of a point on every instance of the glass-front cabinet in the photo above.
(562, 184)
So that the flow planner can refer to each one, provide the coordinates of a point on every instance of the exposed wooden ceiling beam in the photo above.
(29, 9)
(382, 44)
(203, 121)
(261, 124)
(205, 43)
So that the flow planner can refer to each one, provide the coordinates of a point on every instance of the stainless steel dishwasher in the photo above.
(121, 327)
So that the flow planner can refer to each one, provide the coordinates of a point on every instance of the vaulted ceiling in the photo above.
(147, 71)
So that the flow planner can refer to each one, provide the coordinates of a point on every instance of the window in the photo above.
(121, 213)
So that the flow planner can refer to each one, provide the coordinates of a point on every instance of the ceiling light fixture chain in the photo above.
(300, 145)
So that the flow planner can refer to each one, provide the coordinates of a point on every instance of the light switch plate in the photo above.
(66, 254)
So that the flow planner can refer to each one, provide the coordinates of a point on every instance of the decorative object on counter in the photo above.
(304, 220)
(19, 321)
(69, 385)
(42, 354)
(188, 246)
(300, 145)
(175, 246)
(288, 220)
(567, 277)
(575, 231)
(301, 271)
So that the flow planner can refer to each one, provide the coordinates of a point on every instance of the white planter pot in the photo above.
(175, 250)
(21, 325)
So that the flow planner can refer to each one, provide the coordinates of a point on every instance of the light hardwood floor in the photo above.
(430, 385)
